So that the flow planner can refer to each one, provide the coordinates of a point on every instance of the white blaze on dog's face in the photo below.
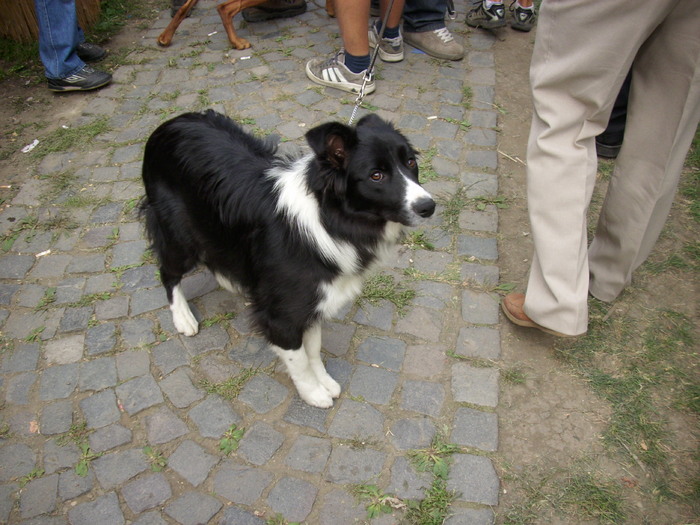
(383, 176)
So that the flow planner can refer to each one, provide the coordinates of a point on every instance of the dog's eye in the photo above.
(376, 176)
(411, 163)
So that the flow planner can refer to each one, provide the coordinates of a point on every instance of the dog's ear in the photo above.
(332, 142)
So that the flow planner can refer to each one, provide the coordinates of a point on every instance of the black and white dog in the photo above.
(299, 235)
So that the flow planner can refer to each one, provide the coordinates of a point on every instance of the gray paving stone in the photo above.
(65, 350)
(212, 338)
(480, 184)
(137, 332)
(293, 498)
(192, 462)
(57, 458)
(112, 308)
(213, 417)
(479, 341)
(75, 319)
(98, 374)
(169, 355)
(353, 465)
(146, 492)
(104, 510)
(259, 443)
(479, 308)
(424, 397)
(478, 247)
(262, 393)
(39, 496)
(100, 409)
(92, 263)
(355, 420)
(378, 315)
(179, 389)
(475, 385)
(56, 418)
(193, 508)
(100, 339)
(141, 277)
(383, 351)
(71, 485)
(414, 433)
(479, 274)
(236, 516)
(484, 221)
(22, 358)
(474, 478)
(339, 506)
(128, 253)
(164, 426)
(96, 284)
(139, 394)
(471, 517)
(299, 413)
(309, 454)
(147, 300)
(241, 484)
(18, 388)
(7, 291)
(50, 266)
(109, 212)
(406, 482)
(251, 352)
(424, 323)
(115, 468)
(474, 428)
(374, 385)
(58, 381)
(109, 437)
(133, 363)
(150, 518)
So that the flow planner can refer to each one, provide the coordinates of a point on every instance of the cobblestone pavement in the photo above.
(110, 417)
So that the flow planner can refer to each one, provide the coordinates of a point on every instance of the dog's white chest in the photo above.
(339, 292)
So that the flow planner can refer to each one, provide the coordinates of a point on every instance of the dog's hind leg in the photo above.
(312, 345)
(304, 377)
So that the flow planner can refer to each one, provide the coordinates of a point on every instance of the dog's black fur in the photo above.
(297, 234)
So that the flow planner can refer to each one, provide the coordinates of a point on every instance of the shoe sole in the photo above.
(487, 25)
(523, 28)
(530, 324)
(261, 15)
(348, 87)
(61, 89)
(389, 57)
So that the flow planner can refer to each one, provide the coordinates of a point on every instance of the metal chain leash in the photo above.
(369, 72)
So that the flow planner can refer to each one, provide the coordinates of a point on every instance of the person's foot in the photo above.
(274, 9)
(491, 17)
(88, 52)
(524, 18)
(390, 49)
(333, 72)
(438, 43)
(83, 80)
(512, 306)
(607, 151)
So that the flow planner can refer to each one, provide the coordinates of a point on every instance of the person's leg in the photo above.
(664, 110)
(573, 93)
(59, 36)
(390, 42)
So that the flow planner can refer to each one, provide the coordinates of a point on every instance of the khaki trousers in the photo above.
(583, 51)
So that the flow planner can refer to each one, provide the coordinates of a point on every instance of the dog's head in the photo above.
(371, 169)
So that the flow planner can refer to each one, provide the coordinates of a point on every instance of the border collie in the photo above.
(297, 234)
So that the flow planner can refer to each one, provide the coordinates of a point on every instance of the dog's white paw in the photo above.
(331, 385)
(316, 396)
(184, 321)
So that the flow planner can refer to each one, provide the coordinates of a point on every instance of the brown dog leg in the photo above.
(166, 37)
(227, 11)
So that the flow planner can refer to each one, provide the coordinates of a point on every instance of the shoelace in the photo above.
(444, 34)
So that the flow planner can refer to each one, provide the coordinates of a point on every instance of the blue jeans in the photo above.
(59, 35)
(420, 16)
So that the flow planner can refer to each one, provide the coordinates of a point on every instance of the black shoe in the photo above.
(88, 52)
(274, 9)
(83, 80)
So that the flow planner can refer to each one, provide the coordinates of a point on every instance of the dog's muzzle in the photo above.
(424, 207)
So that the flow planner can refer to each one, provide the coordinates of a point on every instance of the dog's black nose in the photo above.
(424, 207)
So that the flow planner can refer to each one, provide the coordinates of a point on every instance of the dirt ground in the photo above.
(553, 421)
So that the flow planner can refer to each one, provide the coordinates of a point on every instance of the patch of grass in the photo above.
(452, 208)
(231, 388)
(155, 459)
(48, 298)
(90, 299)
(63, 139)
(464, 125)
(376, 502)
(384, 287)
(86, 457)
(481, 202)
(78, 433)
(34, 474)
(418, 239)
(513, 376)
(218, 318)
(467, 96)
(426, 172)
(34, 335)
(593, 498)
(29, 224)
(231, 440)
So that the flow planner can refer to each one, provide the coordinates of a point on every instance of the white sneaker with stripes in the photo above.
(332, 72)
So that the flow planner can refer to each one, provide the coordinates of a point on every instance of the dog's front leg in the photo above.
(183, 318)
(304, 378)
(312, 345)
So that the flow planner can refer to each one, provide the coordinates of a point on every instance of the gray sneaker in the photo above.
(491, 18)
(438, 43)
(84, 80)
(332, 72)
(523, 18)
(390, 49)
